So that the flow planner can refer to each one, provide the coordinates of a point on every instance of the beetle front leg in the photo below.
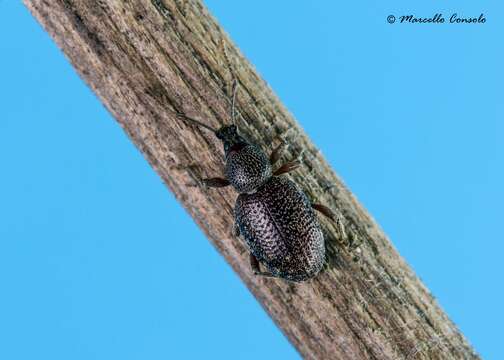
(277, 152)
(288, 167)
(215, 182)
(256, 269)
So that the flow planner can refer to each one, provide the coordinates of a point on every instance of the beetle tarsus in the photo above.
(216, 182)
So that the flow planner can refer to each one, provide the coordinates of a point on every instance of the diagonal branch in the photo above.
(148, 61)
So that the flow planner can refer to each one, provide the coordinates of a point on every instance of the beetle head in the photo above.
(229, 136)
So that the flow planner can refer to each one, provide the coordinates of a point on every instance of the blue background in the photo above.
(410, 116)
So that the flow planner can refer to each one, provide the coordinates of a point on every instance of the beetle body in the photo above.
(281, 229)
(272, 213)
(274, 216)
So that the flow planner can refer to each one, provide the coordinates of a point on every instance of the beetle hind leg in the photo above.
(324, 210)
(256, 268)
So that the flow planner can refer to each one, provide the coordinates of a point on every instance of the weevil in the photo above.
(274, 216)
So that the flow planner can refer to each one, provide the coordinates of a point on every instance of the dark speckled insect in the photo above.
(272, 213)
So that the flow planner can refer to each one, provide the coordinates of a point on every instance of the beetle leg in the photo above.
(236, 229)
(216, 182)
(290, 166)
(332, 216)
(325, 211)
(256, 269)
(277, 152)
(287, 167)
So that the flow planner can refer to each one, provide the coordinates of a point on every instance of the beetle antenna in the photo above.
(233, 101)
(199, 123)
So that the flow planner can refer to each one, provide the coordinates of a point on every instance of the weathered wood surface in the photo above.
(147, 59)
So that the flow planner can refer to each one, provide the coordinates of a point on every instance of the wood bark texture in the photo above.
(147, 59)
